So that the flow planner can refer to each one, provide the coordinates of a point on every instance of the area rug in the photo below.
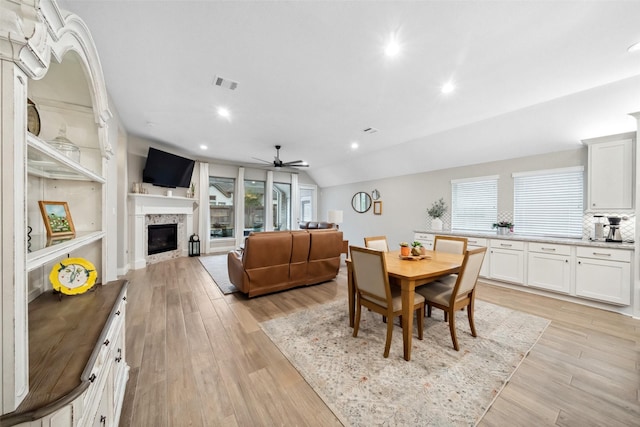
(216, 266)
(438, 387)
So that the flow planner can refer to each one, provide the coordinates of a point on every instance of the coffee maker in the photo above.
(614, 229)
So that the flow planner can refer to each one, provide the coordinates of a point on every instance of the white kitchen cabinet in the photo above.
(604, 274)
(506, 261)
(426, 239)
(610, 172)
(475, 243)
(549, 267)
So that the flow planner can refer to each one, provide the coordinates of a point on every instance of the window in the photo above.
(549, 202)
(253, 206)
(281, 206)
(221, 191)
(474, 203)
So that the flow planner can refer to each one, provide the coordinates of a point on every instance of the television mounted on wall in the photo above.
(167, 170)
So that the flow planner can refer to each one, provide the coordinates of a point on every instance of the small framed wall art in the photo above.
(377, 207)
(57, 218)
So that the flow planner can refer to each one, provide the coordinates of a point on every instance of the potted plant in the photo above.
(404, 249)
(417, 249)
(503, 227)
(437, 209)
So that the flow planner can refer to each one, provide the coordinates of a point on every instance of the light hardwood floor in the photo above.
(199, 358)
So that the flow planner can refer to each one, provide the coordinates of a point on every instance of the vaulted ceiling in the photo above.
(530, 77)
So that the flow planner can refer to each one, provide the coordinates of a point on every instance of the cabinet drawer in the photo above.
(507, 244)
(548, 248)
(604, 253)
(423, 236)
(476, 241)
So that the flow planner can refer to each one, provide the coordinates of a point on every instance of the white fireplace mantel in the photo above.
(141, 205)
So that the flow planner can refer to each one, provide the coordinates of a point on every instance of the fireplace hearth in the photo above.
(162, 238)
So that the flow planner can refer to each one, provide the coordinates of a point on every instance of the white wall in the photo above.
(405, 199)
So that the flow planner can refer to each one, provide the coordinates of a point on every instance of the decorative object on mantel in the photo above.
(191, 192)
(57, 218)
(194, 245)
(404, 249)
(73, 276)
(437, 209)
(504, 227)
(66, 147)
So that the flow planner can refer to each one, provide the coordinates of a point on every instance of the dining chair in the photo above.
(462, 294)
(373, 291)
(377, 242)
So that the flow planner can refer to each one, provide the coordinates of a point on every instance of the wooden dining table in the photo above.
(409, 274)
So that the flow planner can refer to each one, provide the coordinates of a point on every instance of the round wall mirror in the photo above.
(375, 194)
(361, 202)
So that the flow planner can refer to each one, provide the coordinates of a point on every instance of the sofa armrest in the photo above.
(236, 270)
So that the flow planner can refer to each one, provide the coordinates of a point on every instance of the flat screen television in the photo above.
(167, 170)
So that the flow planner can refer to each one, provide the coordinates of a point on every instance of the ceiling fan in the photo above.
(278, 164)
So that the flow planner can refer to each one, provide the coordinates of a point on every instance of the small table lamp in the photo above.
(335, 217)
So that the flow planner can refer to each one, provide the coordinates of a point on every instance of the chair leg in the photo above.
(428, 310)
(387, 345)
(420, 320)
(470, 315)
(446, 316)
(356, 323)
(452, 328)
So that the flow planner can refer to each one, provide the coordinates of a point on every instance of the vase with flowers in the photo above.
(436, 211)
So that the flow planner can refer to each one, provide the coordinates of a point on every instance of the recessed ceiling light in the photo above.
(224, 112)
(203, 147)
(634, 47)
(448, 87)
(393, 47)
(354, 145)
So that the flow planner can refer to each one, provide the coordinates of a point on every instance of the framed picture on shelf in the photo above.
(377, 207)
(57, 219)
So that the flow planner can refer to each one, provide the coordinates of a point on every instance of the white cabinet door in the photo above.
(507, 265)
(548, 271)
(608, 281)
(610, 175)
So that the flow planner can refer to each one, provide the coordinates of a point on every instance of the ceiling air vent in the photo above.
(225, 83)
(370, 130)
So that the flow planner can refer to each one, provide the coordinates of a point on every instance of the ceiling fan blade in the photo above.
(301, 165)
(263, 161)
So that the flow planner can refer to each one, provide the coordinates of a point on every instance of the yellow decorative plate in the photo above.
(73, 276)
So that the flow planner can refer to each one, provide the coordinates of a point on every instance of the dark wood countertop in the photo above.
(62, 337)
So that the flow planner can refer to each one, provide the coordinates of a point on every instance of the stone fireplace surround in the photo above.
(146, 209)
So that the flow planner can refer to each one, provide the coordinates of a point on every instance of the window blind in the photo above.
(549, 203)
(474, 203)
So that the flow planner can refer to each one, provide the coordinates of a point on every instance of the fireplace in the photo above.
(162, 238)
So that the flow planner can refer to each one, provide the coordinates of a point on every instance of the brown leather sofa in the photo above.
(279, 260)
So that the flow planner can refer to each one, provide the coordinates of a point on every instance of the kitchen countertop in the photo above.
(525, 238)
